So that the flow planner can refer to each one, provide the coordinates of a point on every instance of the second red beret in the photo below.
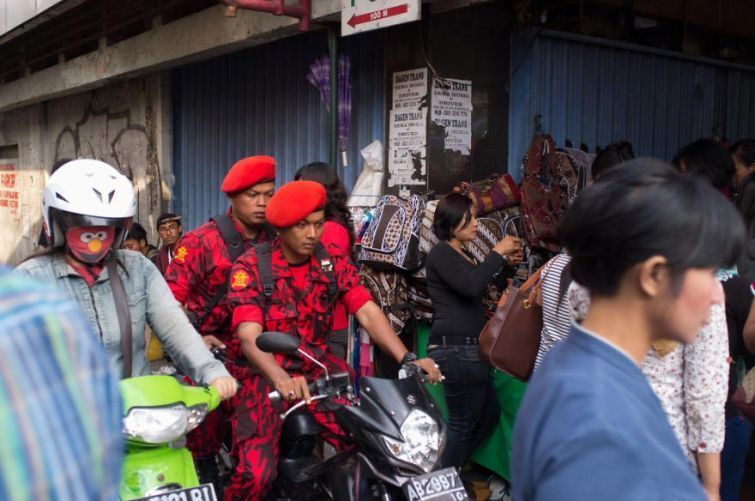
(294, 202)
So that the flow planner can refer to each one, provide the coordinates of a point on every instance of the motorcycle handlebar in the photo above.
(409, 370)
(275, 396)
(337, 384)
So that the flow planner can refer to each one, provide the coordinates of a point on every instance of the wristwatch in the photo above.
(408, 358)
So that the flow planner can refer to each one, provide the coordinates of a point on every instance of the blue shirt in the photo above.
(591, 427)
(60, 407)
(150, 301)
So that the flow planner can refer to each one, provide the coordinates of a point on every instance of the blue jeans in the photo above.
(736, 447)
(473, 409)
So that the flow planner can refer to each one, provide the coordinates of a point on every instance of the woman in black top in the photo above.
(456, 286)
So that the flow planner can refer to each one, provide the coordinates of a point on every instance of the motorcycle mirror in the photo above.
(277, 342)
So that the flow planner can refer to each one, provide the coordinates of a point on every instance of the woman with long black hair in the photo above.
(337, 237)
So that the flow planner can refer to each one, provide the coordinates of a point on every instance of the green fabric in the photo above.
(509, 391)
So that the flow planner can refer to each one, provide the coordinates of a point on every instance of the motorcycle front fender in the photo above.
(144, 469)
(348, 481)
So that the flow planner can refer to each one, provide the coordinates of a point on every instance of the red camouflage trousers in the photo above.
(207, 438)
(256, 426)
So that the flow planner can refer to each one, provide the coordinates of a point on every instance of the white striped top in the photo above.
(557, 315)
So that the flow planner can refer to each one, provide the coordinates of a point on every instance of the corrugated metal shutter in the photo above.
(597, 92)
(258, 102)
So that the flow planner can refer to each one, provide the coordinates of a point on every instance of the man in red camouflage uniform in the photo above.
(199, 271)
(300, 304)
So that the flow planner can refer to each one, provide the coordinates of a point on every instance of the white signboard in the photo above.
(452, 109)
(366, 15)
(407, 129)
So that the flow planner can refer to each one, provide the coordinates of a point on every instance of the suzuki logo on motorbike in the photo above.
(411, 399)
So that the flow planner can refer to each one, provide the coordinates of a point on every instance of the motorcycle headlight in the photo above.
(156, 425)
(421, 444)
(197, 414)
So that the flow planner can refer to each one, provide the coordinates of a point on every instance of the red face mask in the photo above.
(90, 244)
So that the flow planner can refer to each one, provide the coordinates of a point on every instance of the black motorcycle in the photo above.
(395, 428)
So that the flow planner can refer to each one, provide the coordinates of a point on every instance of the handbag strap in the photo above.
(535, 283)
(124, 315)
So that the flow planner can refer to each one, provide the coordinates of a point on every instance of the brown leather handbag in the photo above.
(511, 338)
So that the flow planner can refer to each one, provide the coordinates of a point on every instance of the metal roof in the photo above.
(258, 101)
(596, 92)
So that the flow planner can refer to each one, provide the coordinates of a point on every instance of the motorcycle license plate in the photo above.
(204, 492)
(441, 485)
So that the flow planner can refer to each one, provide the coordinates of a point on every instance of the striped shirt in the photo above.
(60, 407)
(557, 318)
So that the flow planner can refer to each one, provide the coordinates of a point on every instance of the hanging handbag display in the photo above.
(496, 193)
(511, 338)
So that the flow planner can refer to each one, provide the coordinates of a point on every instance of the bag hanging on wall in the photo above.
(419, 299)
(495, 193)
(392, 239)
(489, 233)
(511, 338)
(542, 212)
(389, 289)
(551, 181)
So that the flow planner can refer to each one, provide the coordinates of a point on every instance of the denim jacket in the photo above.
(150, 301)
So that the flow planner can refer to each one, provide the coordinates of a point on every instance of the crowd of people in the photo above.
(647, 323)
(695, 382)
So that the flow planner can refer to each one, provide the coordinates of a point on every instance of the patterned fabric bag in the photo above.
(427, 240)
(551, 181)
(392, 239)
(419, 298)
(390, 291)
(496, 193)
(489, 233)
(542, 213)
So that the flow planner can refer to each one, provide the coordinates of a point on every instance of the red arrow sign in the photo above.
(378, 15)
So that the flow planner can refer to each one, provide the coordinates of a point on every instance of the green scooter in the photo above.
(158, 413)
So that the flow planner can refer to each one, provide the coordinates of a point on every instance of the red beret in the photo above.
(248, 172)
(294, 202)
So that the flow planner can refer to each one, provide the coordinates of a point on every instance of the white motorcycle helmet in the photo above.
(87, 192)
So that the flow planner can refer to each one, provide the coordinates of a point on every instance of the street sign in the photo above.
(366, 15)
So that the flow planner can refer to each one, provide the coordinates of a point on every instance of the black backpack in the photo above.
(265, 267)
(234, 241)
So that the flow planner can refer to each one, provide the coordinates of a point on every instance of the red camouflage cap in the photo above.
(294, 202)
(248, 172)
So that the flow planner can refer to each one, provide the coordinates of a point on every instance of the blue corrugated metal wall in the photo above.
(258, 101)
(596, 92)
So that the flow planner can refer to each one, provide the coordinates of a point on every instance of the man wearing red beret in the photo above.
(296, 300)
(198, 278)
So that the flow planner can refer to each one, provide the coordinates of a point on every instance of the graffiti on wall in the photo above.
(114, 138)
(8, 188)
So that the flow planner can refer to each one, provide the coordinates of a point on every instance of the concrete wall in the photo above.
(206, 34)
(101, 105)
(126, 124)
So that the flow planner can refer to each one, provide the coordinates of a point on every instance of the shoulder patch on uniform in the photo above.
(181, 254)
(239, 280)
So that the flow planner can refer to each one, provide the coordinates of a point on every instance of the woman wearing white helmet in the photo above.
(88, 207)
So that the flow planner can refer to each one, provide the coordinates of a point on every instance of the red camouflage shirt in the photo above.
(201, 264)
(305, 313)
